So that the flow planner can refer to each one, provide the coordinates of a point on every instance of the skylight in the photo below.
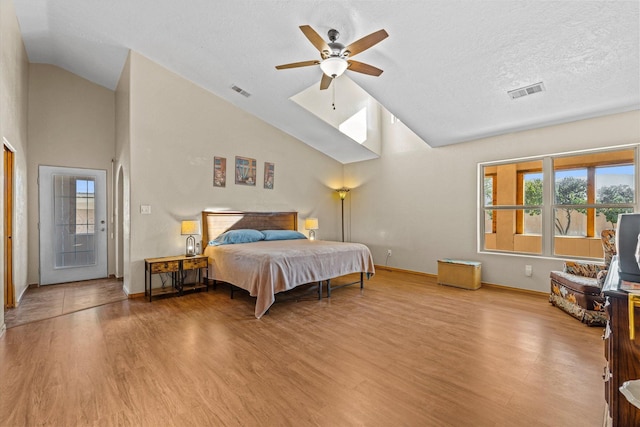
(355, 127)
(356, 113)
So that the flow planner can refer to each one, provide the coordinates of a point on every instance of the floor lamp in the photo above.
(342, 192)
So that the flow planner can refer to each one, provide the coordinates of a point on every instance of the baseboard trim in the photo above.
(512, 289)
(488, 285)
(3, 329)
(138, 295)
(400, 270)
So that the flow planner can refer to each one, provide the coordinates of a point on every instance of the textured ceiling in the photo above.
(447, 64)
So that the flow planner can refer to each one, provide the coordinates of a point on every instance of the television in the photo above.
(627, 246)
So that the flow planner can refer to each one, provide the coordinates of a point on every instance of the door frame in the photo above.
(9, 286)
(48, 273)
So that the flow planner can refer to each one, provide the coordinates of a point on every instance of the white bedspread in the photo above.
(267, 267)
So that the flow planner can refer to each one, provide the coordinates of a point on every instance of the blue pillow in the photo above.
(237, 236)
(282, 235)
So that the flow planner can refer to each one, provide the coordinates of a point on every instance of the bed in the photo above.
(267, 267)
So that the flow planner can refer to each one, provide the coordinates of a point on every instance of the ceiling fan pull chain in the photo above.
(333, 95)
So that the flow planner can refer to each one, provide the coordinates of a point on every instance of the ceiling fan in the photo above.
(336, 56)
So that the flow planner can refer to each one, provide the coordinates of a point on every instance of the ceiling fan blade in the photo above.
(361, 67)
(366, 42)
(314, 38)
(297, 64)
(325, 82)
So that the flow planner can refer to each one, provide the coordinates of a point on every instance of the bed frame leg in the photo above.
(328, 288)
(319, 289)
(361, 280)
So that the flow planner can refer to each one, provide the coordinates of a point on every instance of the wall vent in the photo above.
(241, 91)
(527, 90)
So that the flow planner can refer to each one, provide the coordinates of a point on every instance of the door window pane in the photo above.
(74, 219)
(85, 213)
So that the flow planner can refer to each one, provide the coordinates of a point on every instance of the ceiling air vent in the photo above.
(241, 91)
(527, 90)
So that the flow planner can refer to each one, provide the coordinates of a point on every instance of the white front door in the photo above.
(73, 228)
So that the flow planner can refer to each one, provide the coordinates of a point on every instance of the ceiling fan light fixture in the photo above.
(334, 66)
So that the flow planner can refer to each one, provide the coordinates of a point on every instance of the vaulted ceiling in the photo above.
(448, 65)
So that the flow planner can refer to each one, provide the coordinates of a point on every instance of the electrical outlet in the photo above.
(528, 270)
(388, 252)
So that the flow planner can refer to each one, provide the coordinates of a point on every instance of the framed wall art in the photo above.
(269, 175)
(245, 171)
(219, 172)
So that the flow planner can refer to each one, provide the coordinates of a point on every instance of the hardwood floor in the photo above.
(405, 351)
(49, 301)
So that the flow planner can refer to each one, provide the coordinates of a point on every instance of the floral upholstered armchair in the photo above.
(577, 289)
(609, 249)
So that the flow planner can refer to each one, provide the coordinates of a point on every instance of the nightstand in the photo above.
(176, 266)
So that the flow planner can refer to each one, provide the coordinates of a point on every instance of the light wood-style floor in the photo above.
(49, 301)
(404, 352)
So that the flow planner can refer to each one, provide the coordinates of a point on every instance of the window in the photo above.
(556, 205)
(355, 127)
(74, 220)
(84, 206)
(512, 207)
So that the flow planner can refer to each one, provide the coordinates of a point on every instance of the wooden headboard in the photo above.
(216, 223)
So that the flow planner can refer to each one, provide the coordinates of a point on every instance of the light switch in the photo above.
(145, 209)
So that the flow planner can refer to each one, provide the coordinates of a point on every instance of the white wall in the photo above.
(71, 124)
(422, 202)
(14, 69)
(176, 128)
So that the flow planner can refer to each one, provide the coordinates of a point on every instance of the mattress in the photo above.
(266, 268)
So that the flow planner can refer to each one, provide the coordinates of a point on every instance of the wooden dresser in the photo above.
(622, 353)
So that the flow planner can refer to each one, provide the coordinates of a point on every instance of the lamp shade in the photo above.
(342, 192)
(190, 227)
(311, 223)
(334, 66)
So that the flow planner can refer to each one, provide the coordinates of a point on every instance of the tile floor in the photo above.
(49, 301)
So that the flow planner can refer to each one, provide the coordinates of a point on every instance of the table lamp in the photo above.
(189, 228)
(311, 224)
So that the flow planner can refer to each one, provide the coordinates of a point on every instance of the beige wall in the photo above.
(176, 128)
(122, 184)
(423, 203)
(14, 71)
(71, 124)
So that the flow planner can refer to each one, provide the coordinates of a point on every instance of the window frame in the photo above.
(549, 202)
